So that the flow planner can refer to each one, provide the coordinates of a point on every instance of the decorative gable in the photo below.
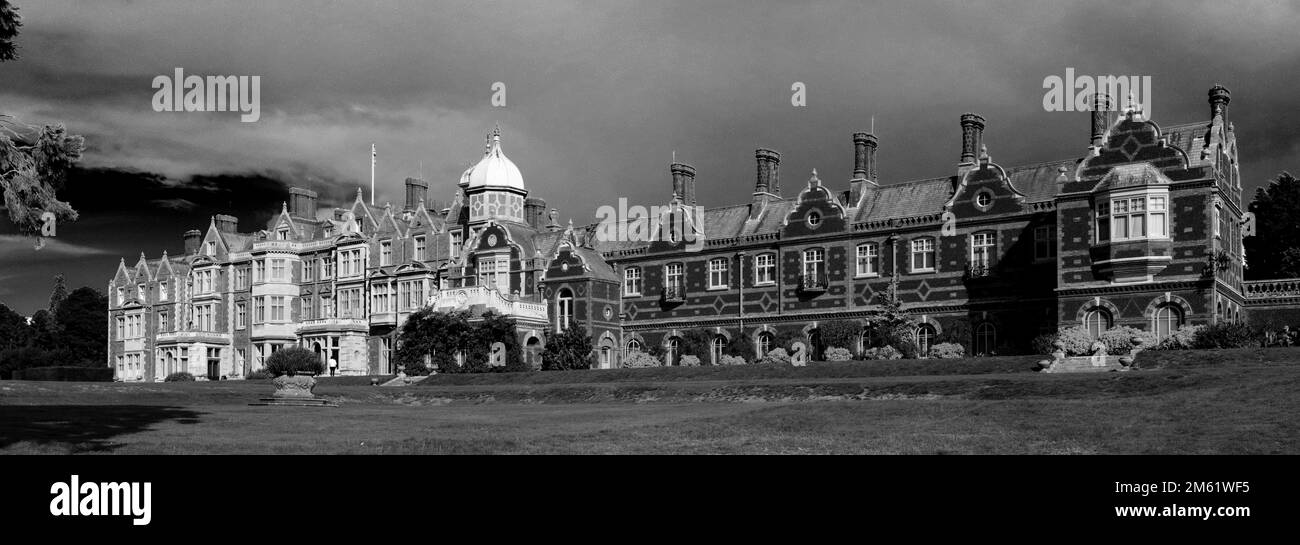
(816, 211)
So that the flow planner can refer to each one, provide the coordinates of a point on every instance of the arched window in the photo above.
(870, 338)
(716, 347)
(1097, 321)
(633, 346)
(765, 341)
(925, 335)
(532, 352)
(606, 357)
(564, 310)
(1168, 319)
(674, 350)
(986, 337)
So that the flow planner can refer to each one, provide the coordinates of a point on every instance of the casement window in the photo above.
(673, 276)
(494, 272)
(564, 310)
(277, 309)
(1133, 217)
(162, 322)
(121, 296)
(925, 334)
(868, 259)
(121, 327)
(455, 243)
(718, 273)
(380, 298)
(139, 292)
(764, 269)
(278, 270)
(241, 315)
(983, 249)
(633, 346)
(419, 248)
(259, 310)
(385, 252)
(326, 268)
(632, 281)
(211, 248)
(814, 262)
(766, 342)
(259, 271)
(241, 279)
(923, 257)
(162, 291)
(1045, 242)
(308, 270)
(282, 234)
(716, 348)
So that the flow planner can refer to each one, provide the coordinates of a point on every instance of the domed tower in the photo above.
(494, 187)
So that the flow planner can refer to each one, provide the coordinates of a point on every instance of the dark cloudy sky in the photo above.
(599, 96)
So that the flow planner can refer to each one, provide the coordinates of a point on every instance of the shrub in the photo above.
(689, 361)
(947, 351)
(260, 374)
(835, 353)
(903, 340)
(1042, 344)
(1077, 341)
(882, 353)
(570, 349)
(1119, 339)
(292, 361)
(837, 333)
(729, 360)
(741, 346)
(1183, 339)
(640, 360)
(179, 376)
(1228, 335)
(777, 356)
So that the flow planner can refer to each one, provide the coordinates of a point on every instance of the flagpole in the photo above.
(372, 174)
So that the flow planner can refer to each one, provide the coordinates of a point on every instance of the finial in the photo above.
(873, 124)
(496, 131)
(284, 207)
(814, 173)
(674, 156)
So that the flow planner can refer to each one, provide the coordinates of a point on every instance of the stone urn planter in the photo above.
(294, 386)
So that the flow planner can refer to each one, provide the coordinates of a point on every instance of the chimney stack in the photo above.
(192, 239)
(1219, 99)
(864, 166)
(534, 209)
(1100, 113)
(769, 175)
(227, 223)
(684, 182)
(302, 203)
(972, 136)
(416, 190)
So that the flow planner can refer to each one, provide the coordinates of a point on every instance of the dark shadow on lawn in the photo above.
(83, 428)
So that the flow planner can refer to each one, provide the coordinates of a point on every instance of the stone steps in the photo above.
(404, 381)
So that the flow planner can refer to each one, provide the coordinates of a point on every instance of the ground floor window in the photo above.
(765, 341)
(925, 335)
(1168, 319)
(1097, 321)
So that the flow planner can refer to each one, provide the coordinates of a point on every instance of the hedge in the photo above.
(66, 374)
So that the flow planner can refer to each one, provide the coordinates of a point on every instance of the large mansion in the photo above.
(1142, 230)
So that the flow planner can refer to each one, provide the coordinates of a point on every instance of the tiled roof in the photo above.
(906, 199)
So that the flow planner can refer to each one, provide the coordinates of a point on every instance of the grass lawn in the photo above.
(1230, 401)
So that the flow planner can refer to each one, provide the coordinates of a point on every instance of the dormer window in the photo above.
(162, 291)
(282, 234)
(211, 248)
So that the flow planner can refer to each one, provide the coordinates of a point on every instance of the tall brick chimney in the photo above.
(684, 182)
(192, 239)
(227, 223)
(1100, 113)
(302, 203)
(416, 190)
(768, 185)
(864, 166)
(534, 211)
(972, 136)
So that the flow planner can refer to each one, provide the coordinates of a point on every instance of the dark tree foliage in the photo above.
(839, 334)
(82, 324)
(34, 164)
(45, 335)
(786, 339)
(570, 349)
(294, 360)
(741, 345)
(696, 342)
(9, 23)
(494, 328)
(435, 336)
(1274, 251)
(14, 331)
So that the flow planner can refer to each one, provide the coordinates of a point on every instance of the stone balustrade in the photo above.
(1271, 289)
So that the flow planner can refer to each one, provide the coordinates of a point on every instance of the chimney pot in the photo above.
(1219, 99)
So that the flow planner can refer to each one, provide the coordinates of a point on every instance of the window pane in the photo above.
(1158, 225)
(1139, 204)
(1120, 228)
(1137, 227)
(1121, 206)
